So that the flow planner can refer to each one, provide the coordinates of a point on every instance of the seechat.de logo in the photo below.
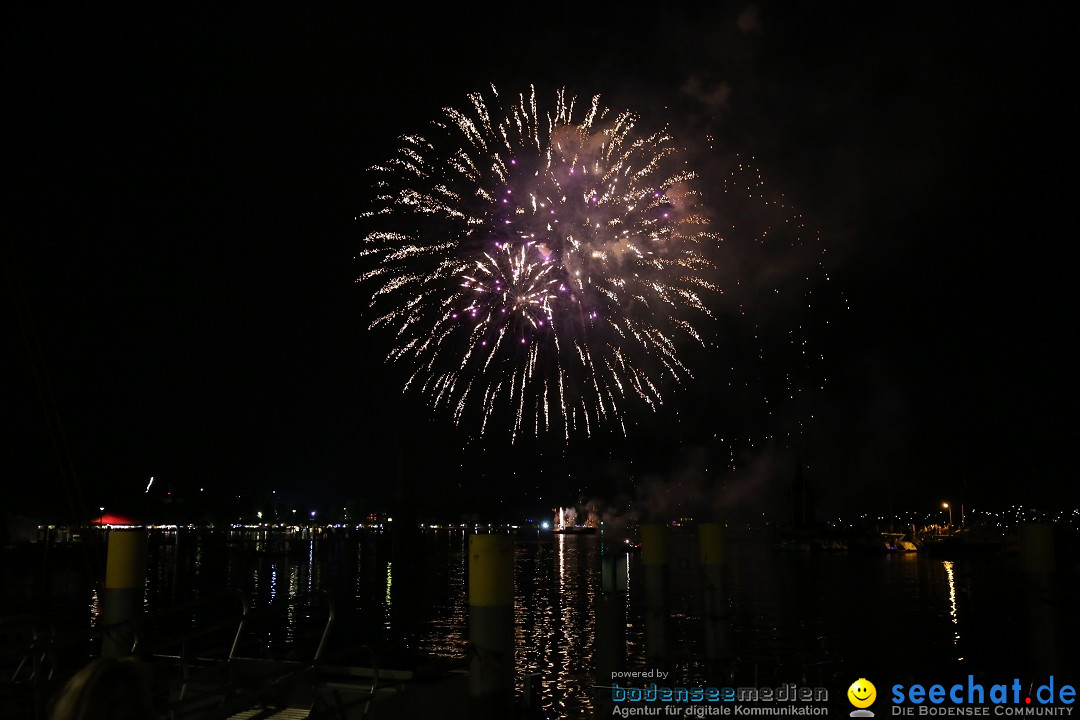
(1015, 697)
(862, 694)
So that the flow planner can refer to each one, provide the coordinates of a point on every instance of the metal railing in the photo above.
(204, 661)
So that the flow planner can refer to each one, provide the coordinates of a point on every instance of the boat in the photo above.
(575, 530)
(978, 539)
(899, 542)
(566, 522)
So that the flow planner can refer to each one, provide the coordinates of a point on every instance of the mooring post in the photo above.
(125, 577)
(1040, 562)
(713, 552)
(491, 625)
(610, 606)
(655, 565)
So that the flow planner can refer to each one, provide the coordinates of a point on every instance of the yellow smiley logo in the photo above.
(862, 693)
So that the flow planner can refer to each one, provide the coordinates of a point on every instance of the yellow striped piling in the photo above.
(491, 624)
(610, 647)
(1037, 547)
(654, 562)
(713, 553)
(1043, 597)
(125, 577)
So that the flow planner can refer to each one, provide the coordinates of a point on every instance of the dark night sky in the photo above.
(180, 243)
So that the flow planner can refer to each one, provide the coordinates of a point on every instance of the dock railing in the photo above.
(209, 659)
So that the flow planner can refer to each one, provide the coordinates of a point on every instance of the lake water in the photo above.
(818, 619)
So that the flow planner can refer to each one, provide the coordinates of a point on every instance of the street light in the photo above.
(947, 507)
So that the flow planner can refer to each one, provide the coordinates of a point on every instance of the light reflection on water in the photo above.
(95, 607)
(556, 585)
(794, 617)
(388, 599)
(952, 598)
(446, 631)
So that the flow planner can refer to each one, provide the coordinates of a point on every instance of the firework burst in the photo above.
(538, 270)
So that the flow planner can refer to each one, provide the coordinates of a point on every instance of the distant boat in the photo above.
(898, 542)
(970, 540)
(575, 530)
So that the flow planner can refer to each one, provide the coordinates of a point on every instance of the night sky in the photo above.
(179, 274)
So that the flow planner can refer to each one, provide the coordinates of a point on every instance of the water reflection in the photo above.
(556, 581)
(95, 607)
(818, 617)
(952, 600)
(445, 632)
(388, 600)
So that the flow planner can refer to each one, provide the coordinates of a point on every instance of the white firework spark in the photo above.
(538, 272)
